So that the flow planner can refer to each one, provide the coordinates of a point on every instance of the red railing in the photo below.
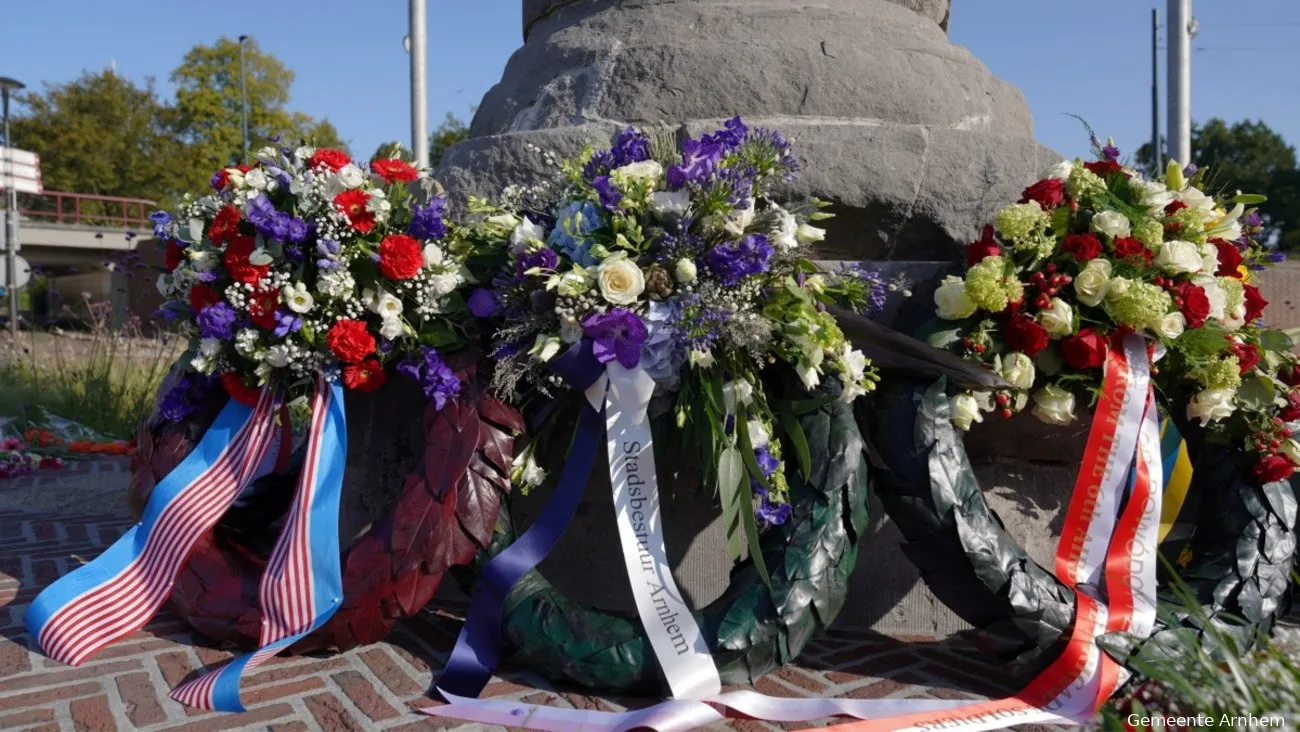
(87, 209)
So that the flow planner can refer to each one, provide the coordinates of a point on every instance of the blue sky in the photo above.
(1086, 58)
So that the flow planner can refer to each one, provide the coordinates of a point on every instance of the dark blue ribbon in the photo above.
(478, 649)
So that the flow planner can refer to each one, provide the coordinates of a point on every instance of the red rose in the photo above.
(1104, 168)
(1048, 193)
(238, 390)
(202, 296)
(1024, 334)
(1229, 258)
(1291, 412)
(987, 246)
(174, 254)
(1082, 246)
(353, 205)
(393, 170)
(1289, 374)
(1174, 207)
(400, 257)
(333, 159)
(1129, 248)
(350, 341)
(1195, 304)
(224, 226)
(365, 376)
(1248, 355)
(1272, 468)
(221, 179)
(237, 264)
(1255, 303)
(262, 309)
(1087, 350)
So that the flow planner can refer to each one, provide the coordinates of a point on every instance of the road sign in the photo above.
(24, 273)
(23, 168)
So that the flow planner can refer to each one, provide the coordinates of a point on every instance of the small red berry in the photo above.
(1006, 413)
(1051, 267)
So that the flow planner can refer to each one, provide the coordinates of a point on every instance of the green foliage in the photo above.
(451, 131)
(394, 149)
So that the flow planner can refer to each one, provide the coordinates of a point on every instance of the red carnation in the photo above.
(261, 309)
(202, 296)
(1229, 258)
(1048, 193)
(1104, 168)
(1272, 468)
(350, 341)
(221, 179)
(174, 254)
(224, 226)
(1082, 246)
(1087, 350)
(333, 159)
(400, 257)
(1291, 412)
(393, 170)
(238, 390)
(1024, 334)
(353, 205)
(1255, 303)
(1129, 248)
(237, 264)
(1248, 355)
(365, 376)
(1195, 304)
(987, 246)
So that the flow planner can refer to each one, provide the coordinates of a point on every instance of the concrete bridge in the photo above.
(85, 246)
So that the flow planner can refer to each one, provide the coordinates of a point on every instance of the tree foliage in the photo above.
(393, 149)
(451, 131)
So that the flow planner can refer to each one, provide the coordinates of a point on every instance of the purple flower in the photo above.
(1190, 170)
(161, 219)
(1110, 152)
(286, 323)
(297, 230)
(327, 247)
(769, 512)
(433, 374)
(766, 462)
(630, 146)
(327, 265)
(1252, 220)
(700, 160)
(600, 164)
(206, 276)
(217, 321)
(426, 221)
(730, 137)
(609, 194)
(181, 400)
(618, 334)
(293, 252)
(215, 181)
(542, 259)
(734, 261)
(261, 213)
(483, 303)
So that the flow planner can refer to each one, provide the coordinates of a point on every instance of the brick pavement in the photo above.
(108, 467)
(125, 686)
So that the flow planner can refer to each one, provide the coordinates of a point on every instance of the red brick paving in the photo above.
(126, 686)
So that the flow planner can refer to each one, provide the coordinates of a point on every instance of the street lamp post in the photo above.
(11, 209)
(419, 48)
(243, 96)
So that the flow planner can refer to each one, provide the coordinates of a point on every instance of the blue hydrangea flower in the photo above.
(663, 354)
(572, 233)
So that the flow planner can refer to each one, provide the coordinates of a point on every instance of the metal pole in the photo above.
(419, 84)
(1180, 81)
(1157, 156)
(11, 221)
(243, 96)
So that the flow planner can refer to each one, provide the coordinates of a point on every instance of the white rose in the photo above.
(758, 436)
(298, 298)
(952, 301)
(621, 281)
(1092, 283)
(1171, 326)
(686, 271)
(1118, 288)
(433, 255)
(1179, 257)
(740, 219)
(350, 176)
(443, 284)
(1062, 170)
(1209, 258)
(570, 330)
(277, 356)
(1212, 405)
(1018, 370)
(965, 411)
(1214, 293)
(303, 153)
(1054, 405)
(236, 177)
(1057, 320)
(785, 236)
(256, 179)
(647, 171)
(392, 328)
(670, 203)
(1154, 195)
(1196, 198)
(525, 233)
(1112, 223)
(808, 234)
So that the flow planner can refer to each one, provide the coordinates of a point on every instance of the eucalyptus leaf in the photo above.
(1275, 340)
(750, 521)
(797, 440)
(1256, 394)
(747, 450)
(731, 471)
(195, 231)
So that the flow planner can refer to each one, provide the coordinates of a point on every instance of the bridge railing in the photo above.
(86, 209)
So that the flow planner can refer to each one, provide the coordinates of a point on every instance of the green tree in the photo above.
(393, 149)
(207, 113)
(100, 134)
(1249, 156)
(451, 131)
